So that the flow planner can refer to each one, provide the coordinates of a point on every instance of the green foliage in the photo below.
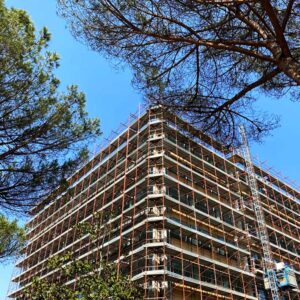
(91, 283)
(12, 238)
(95, 279)
(43, 290)
(44, 131)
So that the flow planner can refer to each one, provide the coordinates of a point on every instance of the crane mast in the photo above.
(268, 263)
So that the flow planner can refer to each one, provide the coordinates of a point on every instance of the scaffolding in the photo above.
(184, 224)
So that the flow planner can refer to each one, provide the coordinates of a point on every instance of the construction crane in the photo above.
(268, 262)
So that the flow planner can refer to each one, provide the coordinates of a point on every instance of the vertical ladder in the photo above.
(268, 263)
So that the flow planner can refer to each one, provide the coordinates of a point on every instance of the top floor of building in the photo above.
(157, 124)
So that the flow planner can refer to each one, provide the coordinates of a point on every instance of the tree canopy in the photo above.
(12, 239)
(96, 278)
(44, 131)
(94, 281)
(203, 58)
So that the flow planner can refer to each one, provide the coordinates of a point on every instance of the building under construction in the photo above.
(191, 218)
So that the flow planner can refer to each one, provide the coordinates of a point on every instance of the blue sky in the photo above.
(111, 97)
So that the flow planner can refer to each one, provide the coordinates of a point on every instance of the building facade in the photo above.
(180, 212)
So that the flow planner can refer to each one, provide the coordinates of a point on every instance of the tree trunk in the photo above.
(291, 68)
